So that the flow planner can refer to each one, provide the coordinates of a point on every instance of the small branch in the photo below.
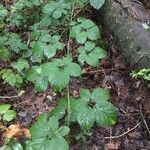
(144, 121)
(118, 136)
(15, 96)
(79, 10)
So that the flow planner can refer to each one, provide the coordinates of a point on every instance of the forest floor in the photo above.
(130, 97)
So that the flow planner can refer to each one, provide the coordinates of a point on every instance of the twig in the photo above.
(79, 10)
(144, 121)
(118, 136)
(15, 96)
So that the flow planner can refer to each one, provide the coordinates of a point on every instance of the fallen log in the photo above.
(128, 32)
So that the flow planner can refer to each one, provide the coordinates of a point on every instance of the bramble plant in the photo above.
(34, 56)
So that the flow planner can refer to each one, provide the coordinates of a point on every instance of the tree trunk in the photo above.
(132, 39)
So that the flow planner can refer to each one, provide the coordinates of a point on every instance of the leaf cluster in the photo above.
(88, 109)
(56, 73)
(6, 114)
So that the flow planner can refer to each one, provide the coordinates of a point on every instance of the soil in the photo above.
(130, 96)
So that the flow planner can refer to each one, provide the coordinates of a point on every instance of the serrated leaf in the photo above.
(93, 33)
(45, 36)
(57, 14)
(4, 54)
(74, 70)
(63, 130)
(57, 143)
(41, 84)
(101, 53)
(4, 108)
(9, 77)
(86, 24)
(100, 95)
(85, 118)
(40, 128)
(16, 43)
(38, 50)
(53, 123)
(50, 51)
(85, 95)
(81, 37)
(105, 114)
(89, 45)
(9, 115)
(97, 4)
(59, 79)
(34, 73)
(20, 64)
(92, 59)
(46, 134)
(94, 107)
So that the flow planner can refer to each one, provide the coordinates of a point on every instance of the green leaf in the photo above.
(59, 71)
(59, 79)
(85, 95)
(100, 95)
(87, 23)
(38, 50)
(53, 123)
(34, 73)
(83, 30)
(4, 108)
(4, 54)
(15, 43)
(56, 143)
(9, 115)
(92, 59)
(81, 38)
(94, 107)
(57, 14)
(85, 118)
(3, 12)
(41, 84)
(9, 77)
(63, 130)
(91, 54)
(74, 70)
(105, 114)
(101, 53)
(45, 36)
(93, 33)
(46, 134)
(40, 129)
(89, 45)
(97, 4)
(20, 64)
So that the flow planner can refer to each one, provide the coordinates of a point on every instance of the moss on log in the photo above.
(132, 39)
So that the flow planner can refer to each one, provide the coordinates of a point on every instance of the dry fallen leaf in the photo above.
(15, 130)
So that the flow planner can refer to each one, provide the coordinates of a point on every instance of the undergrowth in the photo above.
(31, 42)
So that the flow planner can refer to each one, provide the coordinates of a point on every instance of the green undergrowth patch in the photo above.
(31, 41)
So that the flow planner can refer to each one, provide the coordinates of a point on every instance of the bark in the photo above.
(132, 39)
